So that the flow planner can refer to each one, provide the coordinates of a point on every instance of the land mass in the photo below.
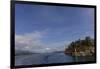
(81, 47)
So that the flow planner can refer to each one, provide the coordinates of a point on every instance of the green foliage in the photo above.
(80, 45)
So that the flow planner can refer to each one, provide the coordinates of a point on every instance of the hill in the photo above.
(84, 47)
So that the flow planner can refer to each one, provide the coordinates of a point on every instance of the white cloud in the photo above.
(59, 46)
(33, 42)
(29, 41)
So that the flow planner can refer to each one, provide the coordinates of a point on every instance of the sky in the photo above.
(42, 28)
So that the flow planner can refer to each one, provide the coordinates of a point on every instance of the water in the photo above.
(48, 58)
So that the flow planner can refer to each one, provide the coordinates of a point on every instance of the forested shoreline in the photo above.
(81, 47)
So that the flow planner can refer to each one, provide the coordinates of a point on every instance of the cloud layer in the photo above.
(33, 42)
(29, 41)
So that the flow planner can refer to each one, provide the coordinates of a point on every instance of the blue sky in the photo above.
(52, 25)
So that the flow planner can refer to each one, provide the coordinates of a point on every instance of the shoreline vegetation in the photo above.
(82, 47)
(82, 50)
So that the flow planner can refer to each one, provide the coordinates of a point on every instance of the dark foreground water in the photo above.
(48, 58)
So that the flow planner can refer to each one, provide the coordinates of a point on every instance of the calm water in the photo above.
(48, 58)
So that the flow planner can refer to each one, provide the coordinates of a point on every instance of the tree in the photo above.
(80, 45)
(88, 41)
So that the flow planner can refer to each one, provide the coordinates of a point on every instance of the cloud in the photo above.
(33, 42)
(29, 41)
(59, 46)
